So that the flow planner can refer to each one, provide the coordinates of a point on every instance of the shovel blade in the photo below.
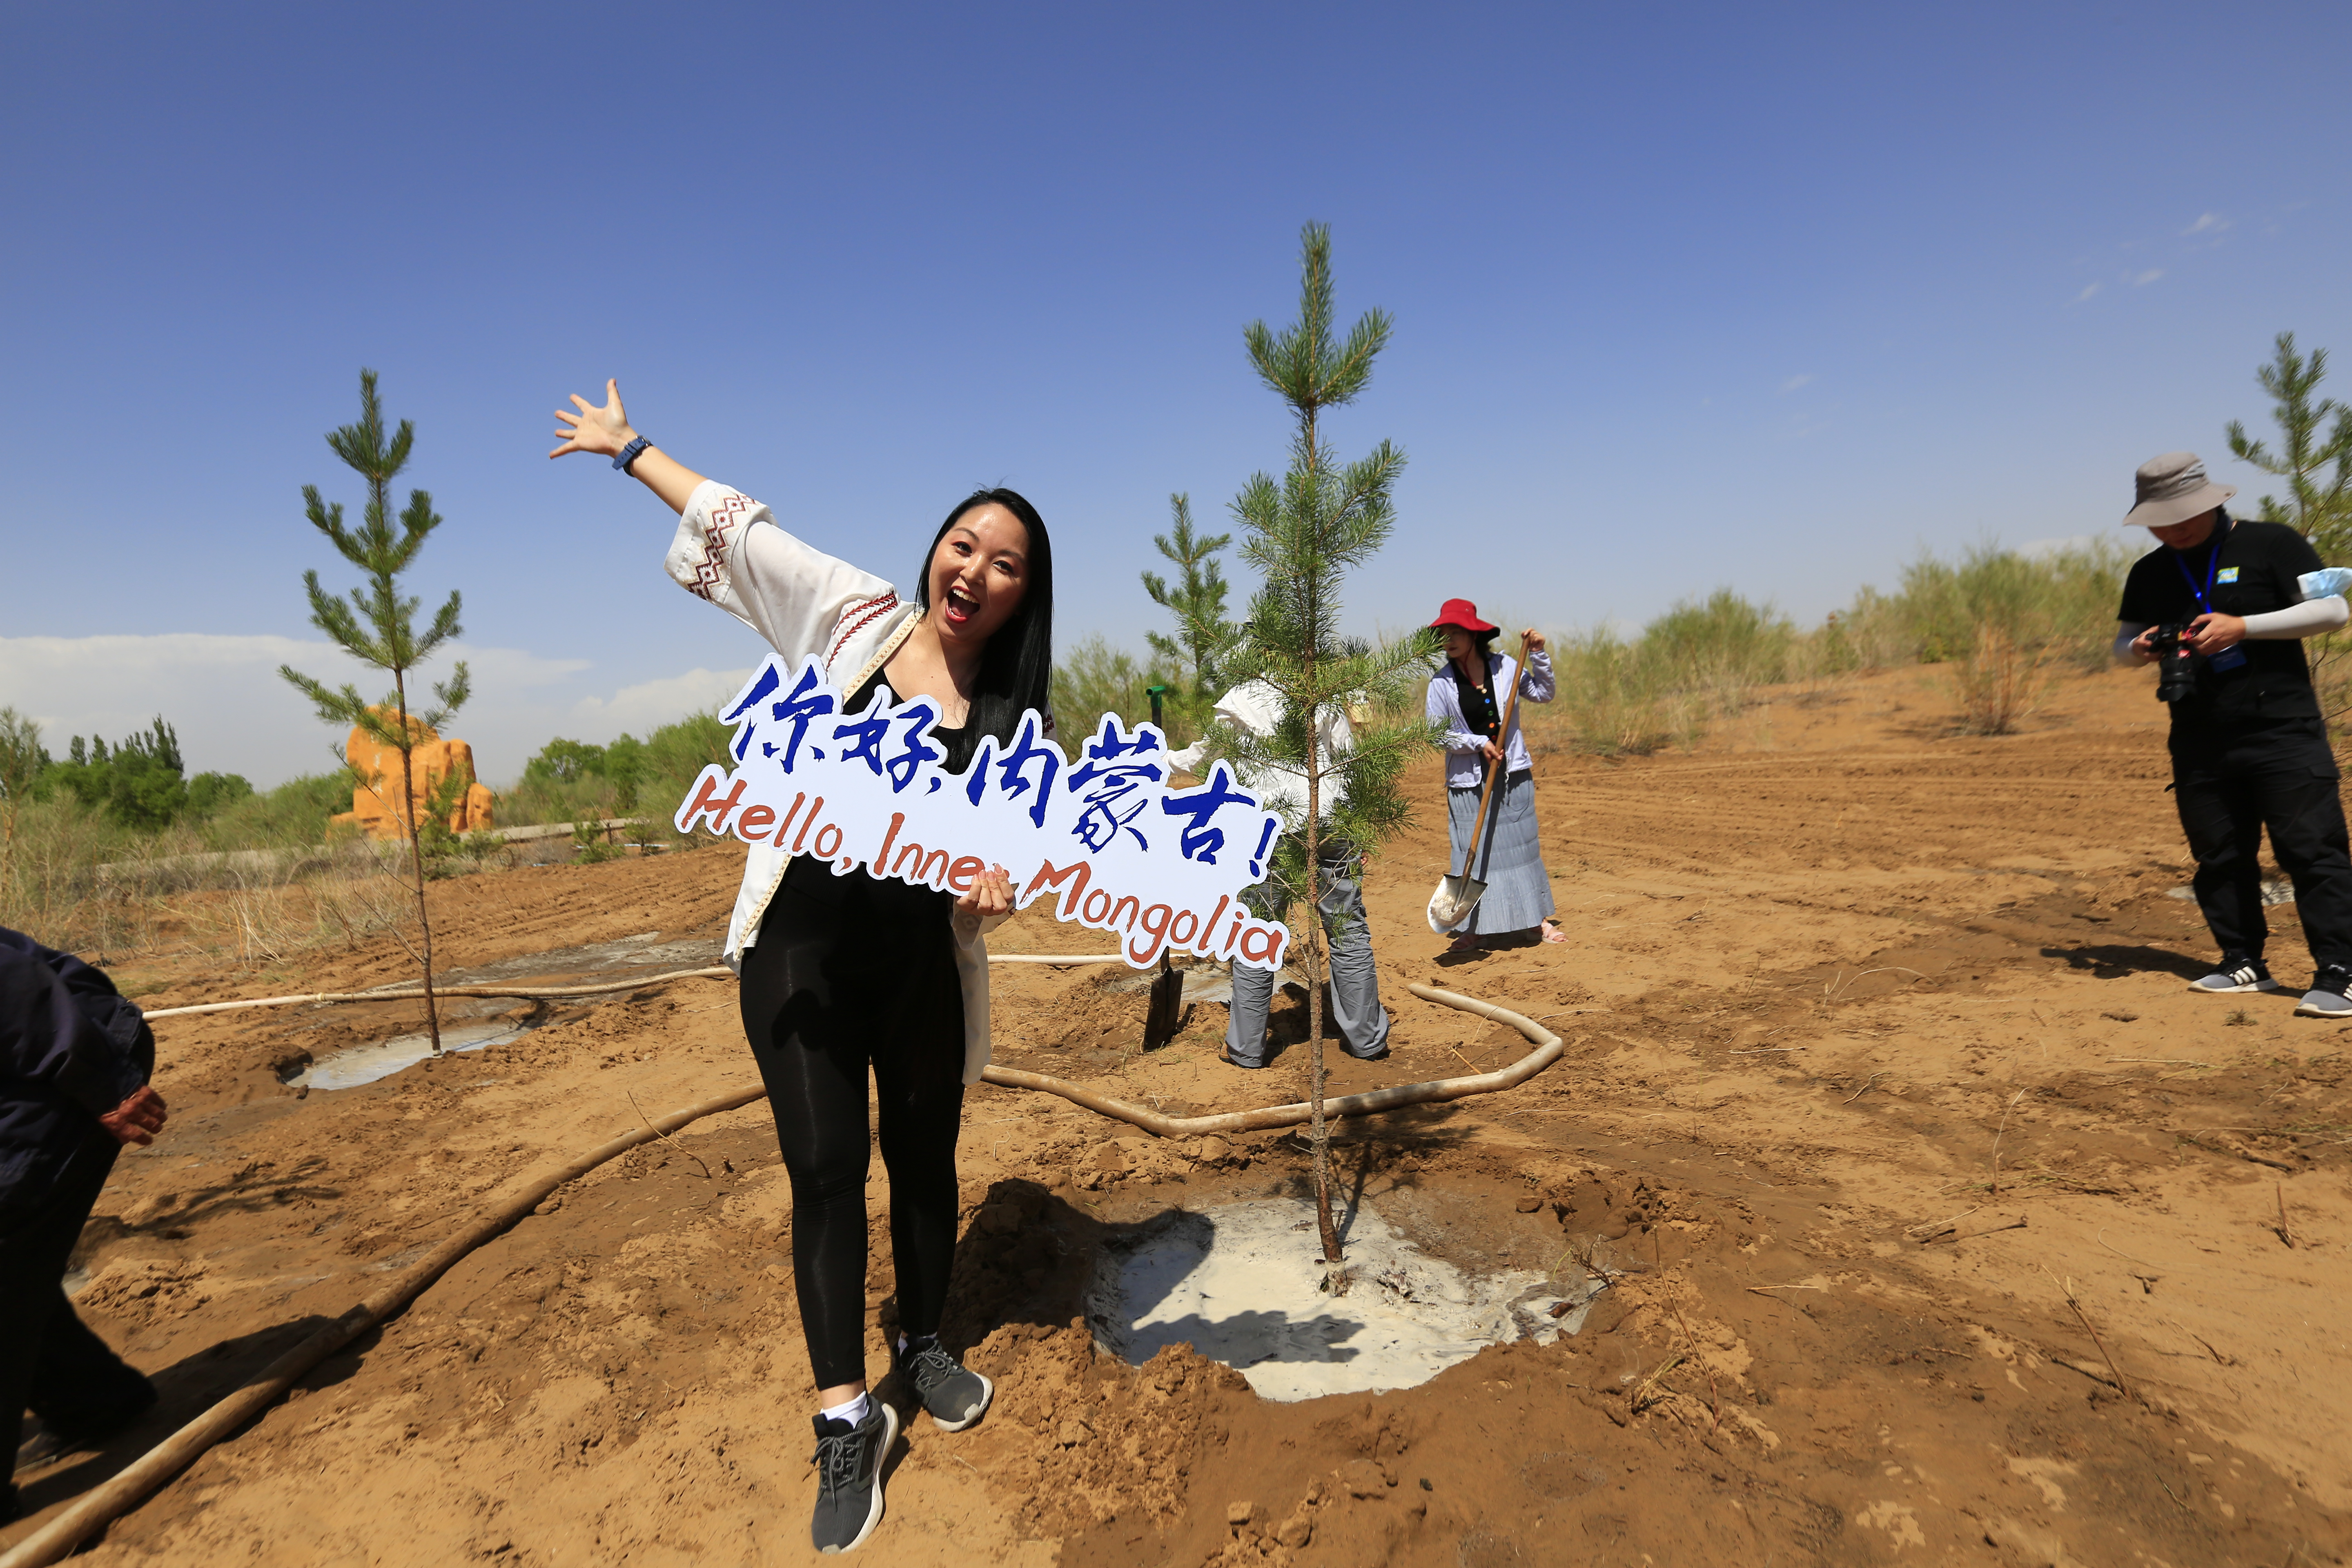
(1451, 904)
(1163, 1017)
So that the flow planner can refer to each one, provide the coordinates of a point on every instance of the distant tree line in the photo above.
(571, 779)
(141, 782)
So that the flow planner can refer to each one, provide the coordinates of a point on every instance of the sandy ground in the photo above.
(1878, 1048)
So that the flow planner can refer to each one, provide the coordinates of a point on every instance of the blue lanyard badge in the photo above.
(2227, 658)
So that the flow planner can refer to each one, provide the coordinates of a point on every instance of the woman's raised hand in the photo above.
(1532, 639)
(990, 895)
(604, 430)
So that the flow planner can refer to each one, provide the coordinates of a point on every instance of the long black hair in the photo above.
(1016, 671)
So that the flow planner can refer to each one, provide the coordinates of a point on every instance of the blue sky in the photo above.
(1684, 296)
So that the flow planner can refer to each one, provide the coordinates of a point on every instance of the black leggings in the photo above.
(850, 972)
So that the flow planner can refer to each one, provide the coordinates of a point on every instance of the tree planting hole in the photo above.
(1242, 1284)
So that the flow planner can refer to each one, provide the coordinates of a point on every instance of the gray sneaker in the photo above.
(849, 1478)
(953, 1393)
(2330, 996)
(2236, 973)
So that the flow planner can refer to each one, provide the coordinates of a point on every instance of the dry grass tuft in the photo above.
(1999, 683)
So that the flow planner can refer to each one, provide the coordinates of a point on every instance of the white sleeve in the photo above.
(1439, 707)
(728, 550)
(1538, 685)
(2126, 634)
(2306, 619)
(1338, 736)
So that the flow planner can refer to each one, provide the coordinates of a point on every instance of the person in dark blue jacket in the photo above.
(74, 1058)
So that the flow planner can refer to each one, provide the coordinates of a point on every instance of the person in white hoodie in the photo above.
(841, 974)
(1355, 1012)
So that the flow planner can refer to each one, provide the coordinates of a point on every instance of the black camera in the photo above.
(2176, 680)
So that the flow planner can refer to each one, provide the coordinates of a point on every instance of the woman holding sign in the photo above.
(841, 974)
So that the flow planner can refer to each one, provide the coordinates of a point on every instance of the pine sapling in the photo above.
(1304, 532)
(1203, 636)
(2315, 436)
(378, 628)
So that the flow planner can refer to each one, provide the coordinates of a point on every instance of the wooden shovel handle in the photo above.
(1486, 798)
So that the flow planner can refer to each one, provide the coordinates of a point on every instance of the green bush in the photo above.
(573, 781)
(296, 811)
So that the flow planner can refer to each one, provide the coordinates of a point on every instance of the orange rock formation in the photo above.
(374, 810)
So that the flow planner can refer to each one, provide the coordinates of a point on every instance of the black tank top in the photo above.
(861, 896)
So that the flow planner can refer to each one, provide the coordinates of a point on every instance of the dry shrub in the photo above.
(1998, 682)
(1095, 679)
(259, 921)
(1719, 650)
(1618, 697)
(77, 881)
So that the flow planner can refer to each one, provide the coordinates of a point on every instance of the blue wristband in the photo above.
(630, 453)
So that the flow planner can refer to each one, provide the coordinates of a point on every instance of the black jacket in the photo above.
(72, 1050)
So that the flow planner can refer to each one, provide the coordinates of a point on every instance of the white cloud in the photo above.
(2137, 278)
(1794, 382)
(2206, 223)
(2088, 291)
(649, 704)
(233, 713)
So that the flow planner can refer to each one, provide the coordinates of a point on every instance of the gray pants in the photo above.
(1355, 1012)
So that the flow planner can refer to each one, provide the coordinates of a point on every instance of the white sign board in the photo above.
(1102, 833)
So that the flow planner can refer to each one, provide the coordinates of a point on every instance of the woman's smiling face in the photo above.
(978, 574)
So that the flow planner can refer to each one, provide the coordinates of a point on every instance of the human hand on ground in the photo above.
(603, 431)
(990, 895)
(137, 1120)
(2210, 633)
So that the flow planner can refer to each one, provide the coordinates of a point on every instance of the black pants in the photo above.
(849, 972)
(2230, 785)
(49, 1361)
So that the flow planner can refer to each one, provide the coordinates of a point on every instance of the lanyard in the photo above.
(2212, 565)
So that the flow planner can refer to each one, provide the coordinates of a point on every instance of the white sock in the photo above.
(854, 1412)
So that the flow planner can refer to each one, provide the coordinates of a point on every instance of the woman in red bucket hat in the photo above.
(1468, 698)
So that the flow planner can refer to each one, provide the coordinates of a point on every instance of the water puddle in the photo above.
(356, 1064)
(646, 950)
(1239, 1283)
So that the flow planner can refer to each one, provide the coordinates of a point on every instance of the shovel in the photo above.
(1456, 896)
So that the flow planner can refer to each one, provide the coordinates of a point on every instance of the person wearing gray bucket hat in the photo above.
(2222, 603)
(2173, 489)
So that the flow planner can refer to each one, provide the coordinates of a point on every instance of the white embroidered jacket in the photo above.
(729, 551)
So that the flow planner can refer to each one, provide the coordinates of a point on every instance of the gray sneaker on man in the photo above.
(2236, 973)
(849, 1478)
(953, 1393)
(2330, 996)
